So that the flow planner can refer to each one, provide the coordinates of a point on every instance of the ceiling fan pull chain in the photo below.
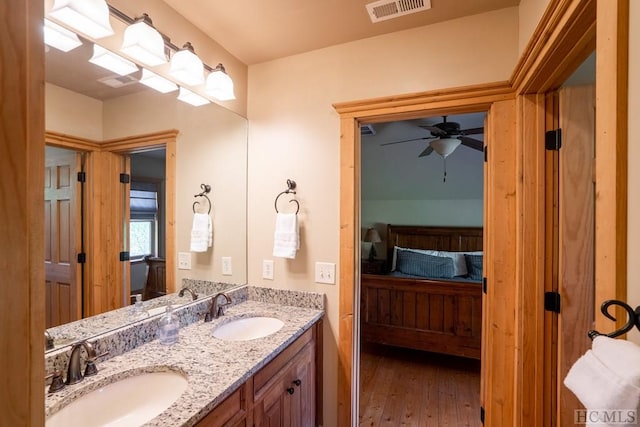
(444, 163)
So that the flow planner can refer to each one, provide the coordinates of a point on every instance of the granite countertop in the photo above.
(214, 368)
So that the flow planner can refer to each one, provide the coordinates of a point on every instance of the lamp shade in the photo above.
(89, 17)
(220, 85)
(445, 146)
(159, 83)
(192, 98)
(59, 37)
(187, 67)
(372, 236)
(111, 61)
(144, 43)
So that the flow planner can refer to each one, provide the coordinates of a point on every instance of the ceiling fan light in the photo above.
(59, 37)
(192, 98)
(89, 17)
(154, 81)
(144, 43)
(220, 85)
(186, 67)
(111, 61)
(445, 146)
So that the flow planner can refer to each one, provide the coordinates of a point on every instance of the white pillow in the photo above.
(459, 263)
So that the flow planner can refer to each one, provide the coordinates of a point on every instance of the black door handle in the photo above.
(291, 390)
(297, 382)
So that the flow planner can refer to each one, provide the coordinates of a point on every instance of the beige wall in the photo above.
(529, 14)
(72, 113)
(211, 149)
(294, 133)
(633, 285)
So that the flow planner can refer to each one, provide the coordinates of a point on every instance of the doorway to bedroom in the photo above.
(422, 192)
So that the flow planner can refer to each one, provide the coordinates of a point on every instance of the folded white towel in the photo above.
(602, 379)
(201, 233)
(286, 239)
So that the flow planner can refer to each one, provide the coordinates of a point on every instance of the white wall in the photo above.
(530, 12)
(633, 235)
(294, 133)
(454, 213)
(72, 113)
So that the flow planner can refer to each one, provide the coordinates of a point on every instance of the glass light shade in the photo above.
(111, 61)
(186, 67)
(144, 43)
(89, 17)
(59, 37)
(372, 236)
(192, 98)
(154, 81)
(445, 146)
(220, 85)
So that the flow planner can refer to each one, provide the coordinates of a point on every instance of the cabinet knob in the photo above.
(297, 382)
(291, 390)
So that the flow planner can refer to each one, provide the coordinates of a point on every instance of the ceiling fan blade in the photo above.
(426, 151)
(407, 140)
(472, 143)
(472, 131)
(434, 130)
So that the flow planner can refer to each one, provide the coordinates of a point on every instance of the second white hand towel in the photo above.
(200, 232)
(286, 240)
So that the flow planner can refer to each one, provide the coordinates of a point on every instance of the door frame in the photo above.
(565, 36)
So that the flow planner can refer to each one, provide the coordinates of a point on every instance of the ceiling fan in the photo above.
(446, 137)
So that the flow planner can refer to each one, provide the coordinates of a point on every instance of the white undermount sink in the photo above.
(248, 328)
(131, 401)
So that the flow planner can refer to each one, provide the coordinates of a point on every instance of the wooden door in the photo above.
(576, 233)
(62, 235)
(302, 381)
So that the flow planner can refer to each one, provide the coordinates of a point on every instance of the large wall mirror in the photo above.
(100, 123)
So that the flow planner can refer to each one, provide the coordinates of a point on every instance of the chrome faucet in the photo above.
(194, 296)
(216, 310)
(74, 374)
(48, 340)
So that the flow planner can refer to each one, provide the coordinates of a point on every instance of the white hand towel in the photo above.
(602, 380)
(286, 241)
(200, 232)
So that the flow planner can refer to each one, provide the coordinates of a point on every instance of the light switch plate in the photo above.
(226, 266)
(184, 260)
(326, 273)
(267, 269)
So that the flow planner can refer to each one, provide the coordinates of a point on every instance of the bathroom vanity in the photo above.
(273, 380)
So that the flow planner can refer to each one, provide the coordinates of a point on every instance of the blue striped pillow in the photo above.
(418, 264)
(474, 266)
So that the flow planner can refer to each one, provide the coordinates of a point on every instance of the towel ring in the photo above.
(633, 318)
(206, 189)
(291, 185)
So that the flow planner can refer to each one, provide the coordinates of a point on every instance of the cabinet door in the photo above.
(270, 411)
(302, 383)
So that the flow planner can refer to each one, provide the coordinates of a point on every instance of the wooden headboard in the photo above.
(438, 238)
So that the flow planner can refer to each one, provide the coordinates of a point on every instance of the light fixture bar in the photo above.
(111, 61)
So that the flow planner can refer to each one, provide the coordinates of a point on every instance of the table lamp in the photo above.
(372, 236)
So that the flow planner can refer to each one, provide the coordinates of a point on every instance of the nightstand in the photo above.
(374, 266)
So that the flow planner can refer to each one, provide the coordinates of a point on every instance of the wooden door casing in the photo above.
(62, 234)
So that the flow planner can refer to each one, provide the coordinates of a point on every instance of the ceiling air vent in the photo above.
(387, 9)
(367, 130)
(117, 81)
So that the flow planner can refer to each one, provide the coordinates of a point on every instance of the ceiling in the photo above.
(395, 172)
(258, 31)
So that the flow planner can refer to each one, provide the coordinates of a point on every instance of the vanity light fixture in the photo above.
(159, 83)
(219, 84)
(111, 61)
(143, 42)
(187, 67)
(89, 17)
(192, 98)
(59, 37)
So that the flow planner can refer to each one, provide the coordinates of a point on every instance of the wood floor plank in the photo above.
(409, 388)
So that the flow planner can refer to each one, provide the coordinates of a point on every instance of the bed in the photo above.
(441, 315)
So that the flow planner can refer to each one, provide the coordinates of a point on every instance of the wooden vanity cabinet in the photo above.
(285, 393)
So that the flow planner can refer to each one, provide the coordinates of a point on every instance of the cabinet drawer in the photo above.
(231, 412)
(273, 369)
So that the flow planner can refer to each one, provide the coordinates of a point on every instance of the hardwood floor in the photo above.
(401, 387)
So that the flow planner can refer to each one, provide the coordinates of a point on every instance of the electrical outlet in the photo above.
(267, 269)
(226, 266)
(326, 273)
(184, 260)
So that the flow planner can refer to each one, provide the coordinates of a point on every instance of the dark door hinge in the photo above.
(124, 256)
(486, 153)
(125, 178)
(484, 285)
(82, 177)
(553, 139)
(82, 258)
(552, 302)
(482, 414)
